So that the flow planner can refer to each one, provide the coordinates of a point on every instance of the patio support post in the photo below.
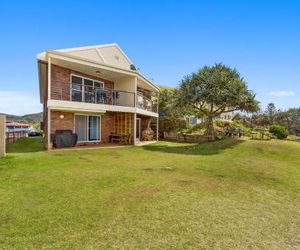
(157, 130)
(134, 129)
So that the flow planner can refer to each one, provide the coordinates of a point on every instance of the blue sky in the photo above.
(165, 39)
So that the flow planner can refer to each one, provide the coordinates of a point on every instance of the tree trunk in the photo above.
(210, 132)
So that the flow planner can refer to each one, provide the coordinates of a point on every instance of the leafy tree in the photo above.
(214, 90)
(170, 116)
(37, 126)
(166, 98)
(290, 119)
(271, 112)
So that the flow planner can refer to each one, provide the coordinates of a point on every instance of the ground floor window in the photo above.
(87, 128)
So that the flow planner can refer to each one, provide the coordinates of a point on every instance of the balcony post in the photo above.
(49, 78)
(135, 91)
(48, 110)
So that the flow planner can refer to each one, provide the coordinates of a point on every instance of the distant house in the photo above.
(192, 120)
(12, 126)
(16, 130)
(95, 92)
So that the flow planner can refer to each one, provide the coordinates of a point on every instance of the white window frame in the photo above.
(87, 126)
(82, 84)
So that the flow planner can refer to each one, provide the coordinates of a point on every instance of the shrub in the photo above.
(279, 131)
(221, 123)
(188, 129)
(199, 127)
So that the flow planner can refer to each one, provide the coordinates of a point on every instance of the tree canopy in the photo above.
(214, 90)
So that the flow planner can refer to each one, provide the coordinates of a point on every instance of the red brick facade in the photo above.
(57, 122)
(61, 82)
(65, 120)
(107, 126)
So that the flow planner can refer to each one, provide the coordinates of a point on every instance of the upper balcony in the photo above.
(98, 95)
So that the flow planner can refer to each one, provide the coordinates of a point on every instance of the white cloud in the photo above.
(19, 102)
(282, 93)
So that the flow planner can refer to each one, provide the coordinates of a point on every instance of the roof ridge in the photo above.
(87, 47)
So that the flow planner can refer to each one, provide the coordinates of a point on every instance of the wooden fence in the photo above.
(186, 137)
(12, 136)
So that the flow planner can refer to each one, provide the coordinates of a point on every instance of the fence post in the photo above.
(2, 135)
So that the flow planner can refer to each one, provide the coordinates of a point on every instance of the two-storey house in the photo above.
(96, 92)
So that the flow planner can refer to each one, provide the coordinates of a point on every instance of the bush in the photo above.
(279, 131)
(199, 127)
(221, 124)
(188, 129)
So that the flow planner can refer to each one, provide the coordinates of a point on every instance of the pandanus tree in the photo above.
(214, 90)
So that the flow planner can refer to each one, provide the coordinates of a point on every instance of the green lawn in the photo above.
(231, 194)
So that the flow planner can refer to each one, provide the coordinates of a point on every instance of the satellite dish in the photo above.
(132, 67)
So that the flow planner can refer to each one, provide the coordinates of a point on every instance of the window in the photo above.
(85, 89)
(87, 128)
(76, 87)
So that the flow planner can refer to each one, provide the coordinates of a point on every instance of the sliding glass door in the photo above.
(87, 128)
(94, 128)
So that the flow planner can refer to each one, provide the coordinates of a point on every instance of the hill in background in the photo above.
(29, 118)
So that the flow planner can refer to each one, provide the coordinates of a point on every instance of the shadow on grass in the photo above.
(208, 148)
(26, 145)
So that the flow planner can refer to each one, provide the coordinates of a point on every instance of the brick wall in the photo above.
(107, 126)
(57, 123)
(60, 82)
(107, 123)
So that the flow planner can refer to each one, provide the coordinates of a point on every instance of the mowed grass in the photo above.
(231, 194)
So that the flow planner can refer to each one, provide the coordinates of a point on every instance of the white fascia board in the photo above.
(146, 112)
(86, 107)
(74, 106)
(94, 108)
(41, 56)
(87, 47)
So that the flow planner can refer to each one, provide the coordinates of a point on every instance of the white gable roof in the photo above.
(110, 54)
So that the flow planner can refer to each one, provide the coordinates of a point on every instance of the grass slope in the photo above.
(232, 194)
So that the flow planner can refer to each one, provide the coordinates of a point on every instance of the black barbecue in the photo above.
(64, 138)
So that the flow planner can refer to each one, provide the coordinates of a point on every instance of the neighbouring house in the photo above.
(16, 130)
(192, 120)
(97, 93)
